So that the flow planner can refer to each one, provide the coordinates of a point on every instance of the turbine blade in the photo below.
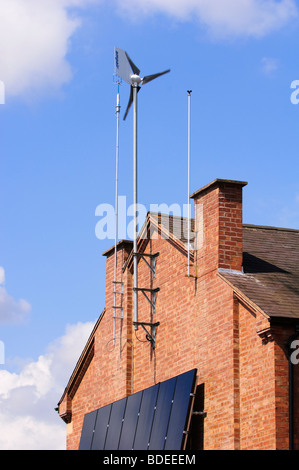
(130, 101)
(149, 78)
(134, 68)
(122, 66)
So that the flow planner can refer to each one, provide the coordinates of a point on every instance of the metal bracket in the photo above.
(151, 300)
(151, 265)
(150, 336)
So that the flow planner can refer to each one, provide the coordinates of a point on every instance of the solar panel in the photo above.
(146, 416)
(153, 419)
(101, 428)
(162, 413)
(115, 424)
(130, 422)
(179, 412)
(87, 430)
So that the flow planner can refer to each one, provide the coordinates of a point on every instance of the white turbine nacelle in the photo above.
(136, 79)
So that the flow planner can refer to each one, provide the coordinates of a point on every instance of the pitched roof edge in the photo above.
(269, 227)
(153, 219)
(81, 359)
(252, 305)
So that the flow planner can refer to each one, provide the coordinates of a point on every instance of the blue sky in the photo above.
(58, 128)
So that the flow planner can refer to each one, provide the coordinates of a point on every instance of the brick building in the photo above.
(233, 320)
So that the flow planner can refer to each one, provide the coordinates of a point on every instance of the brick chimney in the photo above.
(120, 368)
(218, 215)
(124, 248)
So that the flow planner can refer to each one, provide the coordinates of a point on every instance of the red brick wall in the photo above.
(257, 384)
(282, 337)
(202, 325)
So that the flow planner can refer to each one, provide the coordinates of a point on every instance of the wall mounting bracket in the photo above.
(152, 264)
(150, 336)
(152, 299)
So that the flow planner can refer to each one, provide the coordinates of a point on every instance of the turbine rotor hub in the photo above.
(136, 79)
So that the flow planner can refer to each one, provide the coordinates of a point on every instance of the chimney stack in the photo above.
(218, 214)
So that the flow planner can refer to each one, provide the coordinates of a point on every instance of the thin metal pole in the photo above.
(135, 204)
(189, 154)
(116, 206)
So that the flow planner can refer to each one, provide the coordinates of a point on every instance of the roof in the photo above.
(270, 277)
(170, 227)
(173, 226)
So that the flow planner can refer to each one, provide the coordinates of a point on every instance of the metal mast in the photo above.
(135, 199)
(130, 73)
(189, 153)
(115, 292)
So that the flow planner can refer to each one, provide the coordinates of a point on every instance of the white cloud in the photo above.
(11, 311)
(222, 18)
(35, 35)
(2, 276)
(27, 399)
(34, 42)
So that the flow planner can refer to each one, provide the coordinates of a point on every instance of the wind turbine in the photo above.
(130, 73)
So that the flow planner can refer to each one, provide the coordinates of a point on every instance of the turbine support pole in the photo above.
(117, 111)
(189, 153)
(135, 204)
(130, 73)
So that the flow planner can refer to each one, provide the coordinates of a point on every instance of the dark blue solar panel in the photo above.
(162, 413)
(153, 419)
(145, 419)
(115, 424)
(87, 430)
(101, 428)
(130, 422)
(179, 412)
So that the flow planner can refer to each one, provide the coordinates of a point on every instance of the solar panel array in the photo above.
(152, 419)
